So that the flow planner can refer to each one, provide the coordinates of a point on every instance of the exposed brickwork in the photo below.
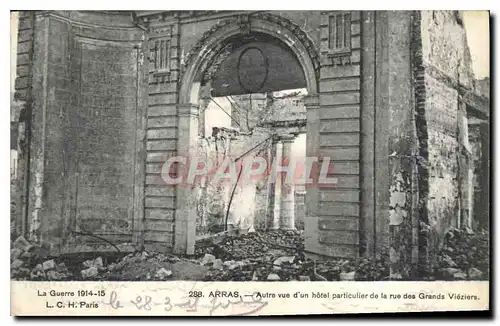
(23, 99)
(422, 137)
(442, 68)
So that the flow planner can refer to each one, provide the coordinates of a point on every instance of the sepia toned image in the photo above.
(249, 146)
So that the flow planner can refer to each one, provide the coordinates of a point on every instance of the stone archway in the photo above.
(194, 65)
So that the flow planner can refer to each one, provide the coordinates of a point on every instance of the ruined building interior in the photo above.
(105, 98)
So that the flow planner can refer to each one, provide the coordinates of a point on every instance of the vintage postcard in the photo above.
(255, 163)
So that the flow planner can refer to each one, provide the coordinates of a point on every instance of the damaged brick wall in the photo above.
(22, 97)
(401, 142)
(445, 67)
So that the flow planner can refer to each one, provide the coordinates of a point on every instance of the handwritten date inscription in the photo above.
(194, 302)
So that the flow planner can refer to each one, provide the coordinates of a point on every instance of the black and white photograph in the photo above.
(250, 146)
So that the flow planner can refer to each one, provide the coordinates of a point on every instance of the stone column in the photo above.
(311, 226)
(185, 215)
(287, 200)
(274, 192)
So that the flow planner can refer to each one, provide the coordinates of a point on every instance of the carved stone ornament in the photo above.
(282, 22)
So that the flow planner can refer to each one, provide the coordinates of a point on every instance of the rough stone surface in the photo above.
(48, 265)
(163, 274)
(16, 264)
(22, 243)
(217, 264)
(208, 259)
(475, 274)
(89, 273)
(284, 259)
(273, 277)
(348, 276)
(15, 253)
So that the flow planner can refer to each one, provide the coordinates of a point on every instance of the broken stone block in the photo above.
(208, 259)
(61, 267)
(449, 261)
(347, 276)
(217, 264)
(276, 268)
(450, 272)
(15, 253)
(48, 264)
(24, 271)
(281, 260)
(22, 243)
(89, 272)
(16, 264)
(173, 259)
(304, 278)
(98, 262)
(228, 263)
(53, 275)
(475, 274)
(144, 255)
(119, 266)
(273, 277)
(460, 276)
(37, 273)
(236, 264)
(163, 273)
(26, 255)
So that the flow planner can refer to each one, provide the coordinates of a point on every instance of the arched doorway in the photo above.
(257, 53)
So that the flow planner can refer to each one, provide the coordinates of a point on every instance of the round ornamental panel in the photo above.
(252, 69)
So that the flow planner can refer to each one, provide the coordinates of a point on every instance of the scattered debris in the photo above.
(273, 277)
(208, 259)
(475, 274)
(90, 272)
(348, 276)
(217, 264)
(163, 274)
(257, 256)
(22, 243)
(16, 264)
(48, 265)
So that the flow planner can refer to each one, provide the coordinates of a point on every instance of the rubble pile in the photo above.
(143, 265)
(256, 256)
(31, 262)
(464, 256)
(280, 256)
(251, 245)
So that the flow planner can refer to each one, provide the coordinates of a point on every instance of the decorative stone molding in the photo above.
(245, 23)
(189, 57)
(185, 110)
(160, 48)
(336, 36)
(311, 101)
(296, 31)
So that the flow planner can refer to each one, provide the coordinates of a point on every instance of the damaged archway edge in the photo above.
(185, 220)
